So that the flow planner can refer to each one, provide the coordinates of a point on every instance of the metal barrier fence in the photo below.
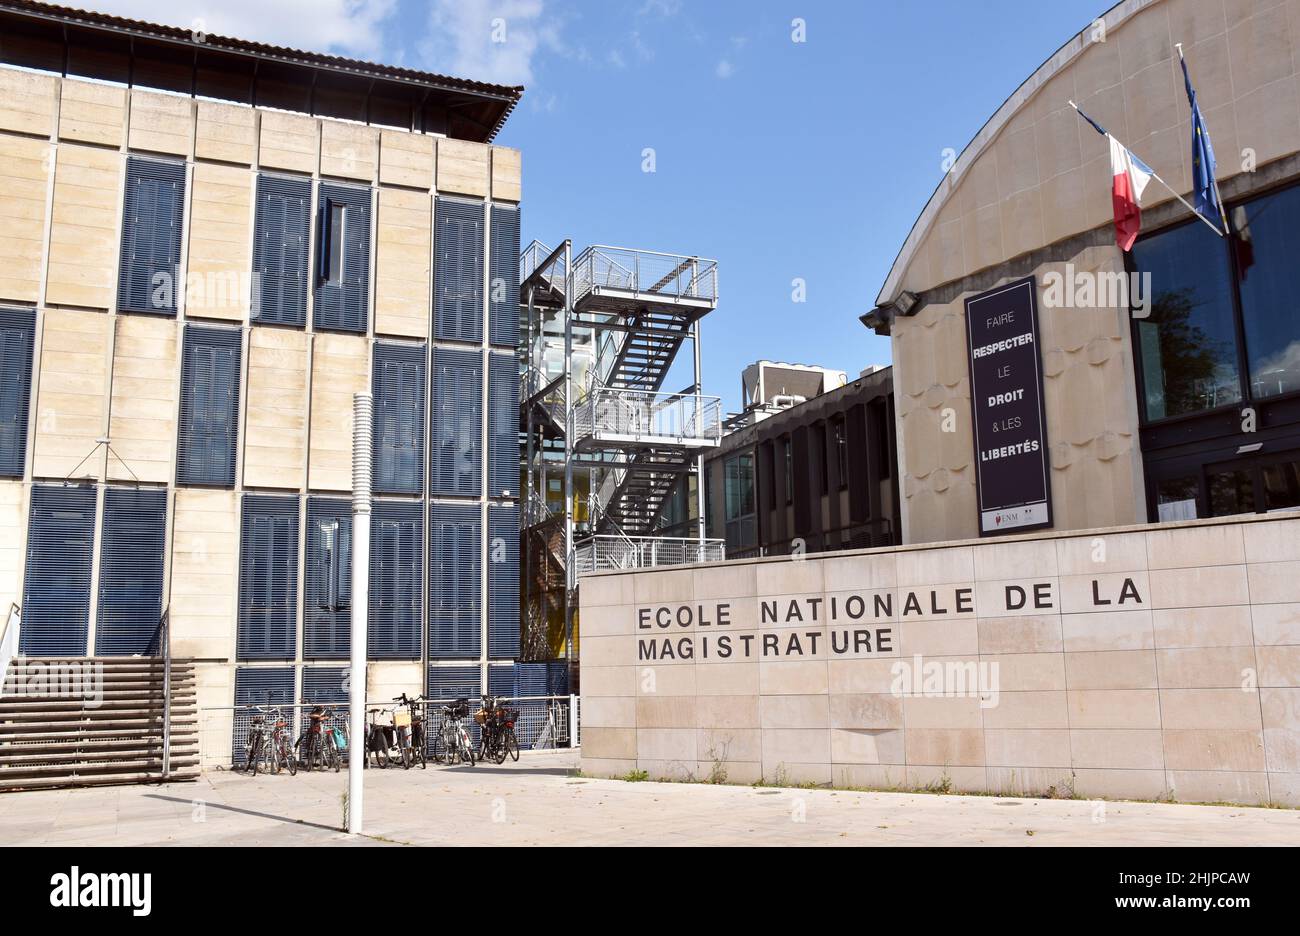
(596, 553)
(648, 416)
(673, 275)
(544, 723)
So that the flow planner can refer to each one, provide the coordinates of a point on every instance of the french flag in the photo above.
(1130, 176)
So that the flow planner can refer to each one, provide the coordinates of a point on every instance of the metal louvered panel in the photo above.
(455, 569)
(327, 601)
(56, 579)
(456, 462)
(281, 232)
(503, 680)
(458, 276)
(342, 304)
(503, 581)
(503, 426)
(325, 685)
(17, 340)
(268, 578)
(454, 682)
(557, 677)
(153, 205)
(396, 580)
(531, 679)
(209, 420)
(260, 685)
(397, 452)
(131, 556)
(503, 277)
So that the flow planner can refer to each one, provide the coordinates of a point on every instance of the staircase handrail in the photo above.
(162, 644)
(9, 642)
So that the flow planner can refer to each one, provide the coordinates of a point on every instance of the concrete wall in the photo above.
(1037, 176)
(1160, 662)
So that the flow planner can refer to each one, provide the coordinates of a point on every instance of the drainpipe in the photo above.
(361, 433)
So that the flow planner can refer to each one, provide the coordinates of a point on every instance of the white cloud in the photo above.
(351, 27)
(725, 69)
(488, 40)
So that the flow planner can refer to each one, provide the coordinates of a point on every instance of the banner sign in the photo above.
(1006, 391)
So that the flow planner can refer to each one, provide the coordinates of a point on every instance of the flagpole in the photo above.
(1156, 176)
(1218, 196)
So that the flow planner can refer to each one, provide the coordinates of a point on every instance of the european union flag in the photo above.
(1204, 192)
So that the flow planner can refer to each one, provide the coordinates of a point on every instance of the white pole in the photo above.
(1186, 204)
(361, 433)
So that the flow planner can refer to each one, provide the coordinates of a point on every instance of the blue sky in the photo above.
(779, 159)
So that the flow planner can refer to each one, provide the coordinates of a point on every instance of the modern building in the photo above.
(209, 246)
(1179, 396)
(808, 466)
(1134, 442)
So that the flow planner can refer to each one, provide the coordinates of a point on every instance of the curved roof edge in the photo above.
(1113, 18)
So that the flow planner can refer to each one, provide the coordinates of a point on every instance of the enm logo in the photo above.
(75, 889)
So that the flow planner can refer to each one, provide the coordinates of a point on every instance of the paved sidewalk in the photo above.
(539, 802)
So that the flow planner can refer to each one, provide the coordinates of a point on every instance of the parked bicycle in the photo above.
(497, 739)
(409, 726)
(256, 747)
(282, 755)
(378, 737)
(321, 744)
(451, 744)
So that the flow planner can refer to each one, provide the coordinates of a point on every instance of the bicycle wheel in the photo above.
(511, 745)
(466, 749)
(440, 753)
(290, 759)
(332, 755)
(254, 754)
(417, 750)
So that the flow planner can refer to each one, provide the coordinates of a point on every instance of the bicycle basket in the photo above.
(480, 717)
(401, 719)
(340, 739)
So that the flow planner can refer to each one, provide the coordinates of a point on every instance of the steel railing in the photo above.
(644, 271)
(544, 722)
(533, 256)
(603, 552)
(644, 415)
(9, 643)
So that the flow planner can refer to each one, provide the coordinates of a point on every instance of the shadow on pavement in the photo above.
(247, 812)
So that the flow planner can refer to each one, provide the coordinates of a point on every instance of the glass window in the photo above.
(842, 452)
(740, 502)
(1231, 492)
(1282, 486)
(1267, 240)
(1176, 498)
(343, 258)
(1187, 343)
(789, 470)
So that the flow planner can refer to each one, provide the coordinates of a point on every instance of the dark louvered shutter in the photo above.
(503, 581)
(530, 679)
(557, 677)
(458, 275)
(257, 685)
(455, 552)
(281, 233)
(397, 385)
(327, 602)
(56, 579)
(209, 420)
(343, 304)
(153, 208)
(503, 277)
(17, 339)
(325, 685)
(454, 682)
(268, 578)
(503, 426)
(131, 558)
(396, 580)
(456, 462)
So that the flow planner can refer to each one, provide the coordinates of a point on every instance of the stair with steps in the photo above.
(102, 725)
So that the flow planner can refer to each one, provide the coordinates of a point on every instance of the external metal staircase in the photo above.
(82, 721)
(635, 310)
